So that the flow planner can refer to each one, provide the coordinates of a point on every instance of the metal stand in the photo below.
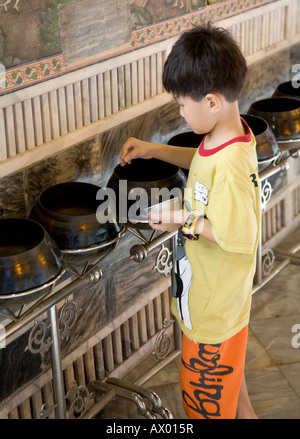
(58, 382)
(265, 271)
(44, 335)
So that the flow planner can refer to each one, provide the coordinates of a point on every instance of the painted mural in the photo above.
(30, 44)
(40, 38)
(28, 30)
(145, 12)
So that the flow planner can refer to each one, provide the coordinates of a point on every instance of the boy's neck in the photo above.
(227, 127)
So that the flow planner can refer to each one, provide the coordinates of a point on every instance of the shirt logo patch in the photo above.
(201, 193)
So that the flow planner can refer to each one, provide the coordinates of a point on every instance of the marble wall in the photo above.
(93, 161)
(265, 75)
(124, 282)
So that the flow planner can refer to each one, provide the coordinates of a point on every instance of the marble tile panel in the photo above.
(290, 241)
(120, 408)
(256, 356)
(17, 365)
(271, 395)
(79, 163)
(170, 122)
(170, 374)
(292, 374)
(275, 335)
(280, 297)
(144, 127)
(263, 77)
(295, 54)
(12, 196)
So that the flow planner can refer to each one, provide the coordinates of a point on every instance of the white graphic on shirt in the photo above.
(184, 270)
(201, 193)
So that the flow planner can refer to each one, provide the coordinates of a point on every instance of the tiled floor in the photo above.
(272, 362)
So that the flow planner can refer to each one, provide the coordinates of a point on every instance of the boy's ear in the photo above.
(214, 101)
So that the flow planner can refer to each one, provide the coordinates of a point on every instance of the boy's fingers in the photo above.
(125, 160)
(126, 156)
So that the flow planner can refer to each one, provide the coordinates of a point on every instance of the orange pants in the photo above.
(211, 377)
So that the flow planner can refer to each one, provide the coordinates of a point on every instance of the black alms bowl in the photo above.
(266, 143)
(287, 89)
(283, 116)
(29, 258)
(68, 211)
(141, 176)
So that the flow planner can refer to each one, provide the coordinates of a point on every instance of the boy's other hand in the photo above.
(134, 148)
(167, 221)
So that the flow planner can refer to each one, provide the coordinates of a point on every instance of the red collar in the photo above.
(207, 152)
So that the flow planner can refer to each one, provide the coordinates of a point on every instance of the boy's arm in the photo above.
(134, 148)
(171, 221)
(204, 229)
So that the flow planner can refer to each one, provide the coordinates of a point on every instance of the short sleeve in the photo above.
(232, 213)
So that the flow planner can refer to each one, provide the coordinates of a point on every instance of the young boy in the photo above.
(205, 73)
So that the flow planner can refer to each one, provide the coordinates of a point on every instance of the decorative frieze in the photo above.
(57, 114)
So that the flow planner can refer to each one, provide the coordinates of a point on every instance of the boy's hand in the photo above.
(167, 221)
(134, 148)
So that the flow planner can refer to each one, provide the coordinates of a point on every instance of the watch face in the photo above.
(187, 229)
(189, 221)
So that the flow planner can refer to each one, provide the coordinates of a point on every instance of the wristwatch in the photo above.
(188, 229)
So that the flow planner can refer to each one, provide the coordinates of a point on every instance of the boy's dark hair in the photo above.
(205, 59)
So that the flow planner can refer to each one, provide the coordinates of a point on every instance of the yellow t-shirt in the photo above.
(223, 184)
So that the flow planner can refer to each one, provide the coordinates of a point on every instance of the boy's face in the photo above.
(199, 115)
